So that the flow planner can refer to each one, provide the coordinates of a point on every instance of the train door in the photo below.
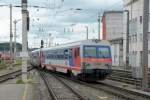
(76, 52)
(41, 57)
(71, 63)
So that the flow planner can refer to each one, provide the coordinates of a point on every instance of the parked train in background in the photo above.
(89, 60)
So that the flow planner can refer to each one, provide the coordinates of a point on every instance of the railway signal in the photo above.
(42, 43)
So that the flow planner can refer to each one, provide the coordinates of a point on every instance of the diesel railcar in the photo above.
(89, 60)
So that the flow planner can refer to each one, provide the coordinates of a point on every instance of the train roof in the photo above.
(77, 43)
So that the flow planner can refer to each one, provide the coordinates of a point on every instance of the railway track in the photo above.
(126, 77)
(60, 89)
(119, 92)
(12, 75)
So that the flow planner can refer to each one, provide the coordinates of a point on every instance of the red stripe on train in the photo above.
(64, 67)
(96, 59)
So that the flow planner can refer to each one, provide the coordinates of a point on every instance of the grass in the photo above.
(3, 65)
(19, 81)
(18, 62)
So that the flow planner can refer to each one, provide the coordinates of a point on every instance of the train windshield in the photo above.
(104, 52)
(89, 51)
(97, 51)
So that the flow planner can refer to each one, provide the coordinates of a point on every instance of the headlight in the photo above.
(85, 64)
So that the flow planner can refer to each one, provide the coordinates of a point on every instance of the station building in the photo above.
(112, 30)
(135, 8)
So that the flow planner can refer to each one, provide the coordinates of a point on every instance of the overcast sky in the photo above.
(58, 17)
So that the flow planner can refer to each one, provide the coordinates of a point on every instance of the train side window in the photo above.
(66, 54)
(59, 57)
(50, 56)
(62, 56)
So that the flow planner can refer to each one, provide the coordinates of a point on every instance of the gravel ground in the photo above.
(41, 89)
(93, 94)
(62, 92)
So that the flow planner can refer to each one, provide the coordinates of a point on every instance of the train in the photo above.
(89, 60)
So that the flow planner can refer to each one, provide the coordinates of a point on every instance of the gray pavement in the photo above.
(15, 92)
(12, 91)
(18, 92)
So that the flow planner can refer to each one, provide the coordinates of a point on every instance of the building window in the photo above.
(141, 37)
(130, 39)
(141, 19)
(135, 38)
(135, 19)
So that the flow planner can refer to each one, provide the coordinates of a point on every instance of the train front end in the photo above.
(96, 62)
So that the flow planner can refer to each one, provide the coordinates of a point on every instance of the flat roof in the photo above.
(112, 11)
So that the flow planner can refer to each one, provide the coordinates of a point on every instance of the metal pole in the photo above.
(15, 36)
(11, 36)
(15, 22)
(87, 32)
(50, 40)
(127, 41)
(145, 44)
(99, 25)
(24, 40)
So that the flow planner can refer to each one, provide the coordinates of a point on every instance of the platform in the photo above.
(17, 92)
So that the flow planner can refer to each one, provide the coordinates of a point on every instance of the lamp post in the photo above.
(87, 32)
(99, 26)
(145, 44)
(127, 40)
(15, 28)
(11, 36)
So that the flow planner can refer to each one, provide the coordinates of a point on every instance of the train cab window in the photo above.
(104, 52)
(90, 51)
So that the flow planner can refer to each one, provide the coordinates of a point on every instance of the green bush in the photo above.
(18, 61)
(19, 81)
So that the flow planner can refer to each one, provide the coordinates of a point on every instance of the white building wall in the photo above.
(114, 22)
(136, 32)
(114, 29)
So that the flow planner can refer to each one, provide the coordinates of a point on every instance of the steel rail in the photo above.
(12, 75)
(49, 88)
(124, 93)
(51, 91)
(125, 76)
(71, 88)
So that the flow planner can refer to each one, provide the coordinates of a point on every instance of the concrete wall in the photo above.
(113, 30)
(136, 32)
(114, 26)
